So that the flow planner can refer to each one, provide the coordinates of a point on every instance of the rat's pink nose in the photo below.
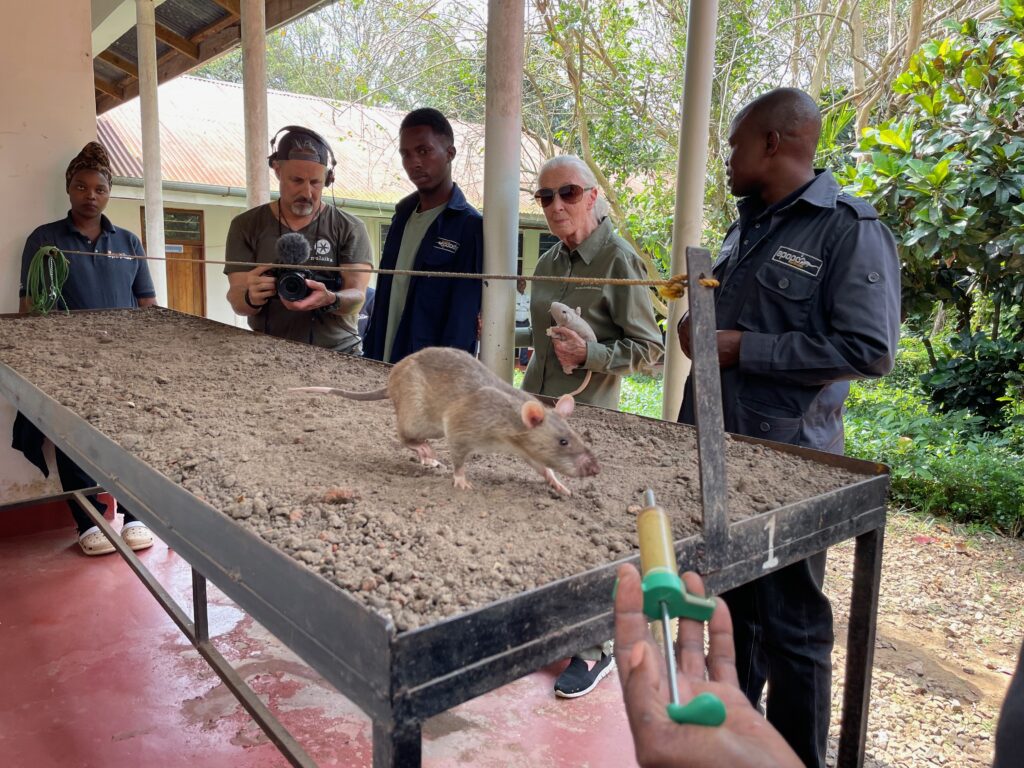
(588, 466)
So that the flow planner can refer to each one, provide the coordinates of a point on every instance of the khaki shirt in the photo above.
(628, 337)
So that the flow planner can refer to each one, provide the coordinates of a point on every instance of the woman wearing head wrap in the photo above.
(95, 281)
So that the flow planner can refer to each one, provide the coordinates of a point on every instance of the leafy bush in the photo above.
(642, 395)
(941, 463)
(946, 176)
(982, 376)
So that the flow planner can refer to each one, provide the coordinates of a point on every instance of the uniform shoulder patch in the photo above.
(862, 208)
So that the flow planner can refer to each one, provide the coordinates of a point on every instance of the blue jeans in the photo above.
(784, 637)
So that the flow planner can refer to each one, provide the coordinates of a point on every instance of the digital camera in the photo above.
(292, 252)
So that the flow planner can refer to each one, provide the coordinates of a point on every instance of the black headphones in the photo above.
(312, 134)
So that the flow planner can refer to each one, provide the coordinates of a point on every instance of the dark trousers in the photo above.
(73, 478)
(784, 637)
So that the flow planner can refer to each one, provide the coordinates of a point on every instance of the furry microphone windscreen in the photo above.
(292, 248)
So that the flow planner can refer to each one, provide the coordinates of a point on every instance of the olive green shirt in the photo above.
(336, 238)
(628, 337)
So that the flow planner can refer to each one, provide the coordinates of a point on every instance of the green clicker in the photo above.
(666, 598)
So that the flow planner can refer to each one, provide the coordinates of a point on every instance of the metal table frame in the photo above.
(401, 679)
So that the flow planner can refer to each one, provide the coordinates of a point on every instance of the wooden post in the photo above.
(503, 140)
(254, 94)
(692, 167)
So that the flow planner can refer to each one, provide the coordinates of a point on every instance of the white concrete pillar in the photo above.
(503, 144)
(151, 176)
(254, 94)
(691, 173)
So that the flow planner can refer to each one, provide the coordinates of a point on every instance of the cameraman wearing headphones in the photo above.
(325, 311)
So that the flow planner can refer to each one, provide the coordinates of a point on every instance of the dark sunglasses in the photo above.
(570, 193)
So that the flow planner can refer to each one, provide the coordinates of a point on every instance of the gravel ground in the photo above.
(949, 631)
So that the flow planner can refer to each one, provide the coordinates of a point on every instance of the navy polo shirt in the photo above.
(94, 281)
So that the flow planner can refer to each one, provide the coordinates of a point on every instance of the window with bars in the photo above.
(547, 242)
(183, 225)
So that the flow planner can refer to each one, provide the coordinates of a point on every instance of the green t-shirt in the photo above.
(415, 228)
(335, 238)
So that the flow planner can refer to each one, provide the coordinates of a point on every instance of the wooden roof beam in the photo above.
(120, 62)
(177, 42)
(231, 6)
(109, 88)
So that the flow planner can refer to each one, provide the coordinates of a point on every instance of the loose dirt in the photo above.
(325, 479)
(949, 632)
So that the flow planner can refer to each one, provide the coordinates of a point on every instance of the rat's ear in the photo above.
(565, 405)
(579, 312)
(533, 414)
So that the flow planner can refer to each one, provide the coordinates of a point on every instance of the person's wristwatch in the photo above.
(249, 301)
(334, 304)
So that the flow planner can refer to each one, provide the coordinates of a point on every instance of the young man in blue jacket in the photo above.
(433, 230)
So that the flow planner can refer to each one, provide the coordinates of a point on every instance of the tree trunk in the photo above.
(927, 343)
(824, 46)
(798, 43)
(859, 78)
(914, 27)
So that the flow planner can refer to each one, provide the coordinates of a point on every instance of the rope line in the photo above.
(671, 288)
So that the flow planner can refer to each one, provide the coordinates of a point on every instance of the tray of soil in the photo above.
(408, 594)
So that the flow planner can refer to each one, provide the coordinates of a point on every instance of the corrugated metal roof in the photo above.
(187, 17)
(202, 139)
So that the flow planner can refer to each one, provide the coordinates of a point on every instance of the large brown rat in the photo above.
(443, 392)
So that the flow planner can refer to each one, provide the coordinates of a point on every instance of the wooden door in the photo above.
(186, 261)
(186, 283)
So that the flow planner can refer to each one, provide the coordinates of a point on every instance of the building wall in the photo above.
(49, 113)
(124, 211)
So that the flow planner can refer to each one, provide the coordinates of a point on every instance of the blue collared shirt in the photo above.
(94, 281)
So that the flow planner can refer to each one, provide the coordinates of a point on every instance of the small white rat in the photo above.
(443, 392)
(565, 317)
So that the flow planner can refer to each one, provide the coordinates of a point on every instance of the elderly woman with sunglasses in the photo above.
(628, 338)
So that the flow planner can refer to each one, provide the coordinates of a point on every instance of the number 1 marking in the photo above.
(772, 560)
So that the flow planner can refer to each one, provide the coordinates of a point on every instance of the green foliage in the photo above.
(641, 395)
(836, 137)
(981, 375)
(941, 463)
(947, 175)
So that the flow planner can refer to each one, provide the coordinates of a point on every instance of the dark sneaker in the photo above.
(579, 680)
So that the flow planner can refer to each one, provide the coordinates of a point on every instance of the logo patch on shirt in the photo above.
(323, 246)
(801, 262)
(446, 245)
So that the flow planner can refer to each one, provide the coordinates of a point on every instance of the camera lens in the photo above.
(291, 285)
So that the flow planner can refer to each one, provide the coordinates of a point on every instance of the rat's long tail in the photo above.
(375, 394)
(581, 387)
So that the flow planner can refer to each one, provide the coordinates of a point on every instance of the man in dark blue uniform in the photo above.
(435, 230)
(809, 300)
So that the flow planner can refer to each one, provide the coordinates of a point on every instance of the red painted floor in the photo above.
(95, 674)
